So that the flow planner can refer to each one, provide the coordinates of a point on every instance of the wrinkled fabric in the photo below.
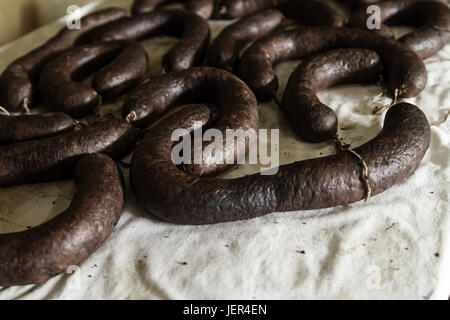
(395, 246)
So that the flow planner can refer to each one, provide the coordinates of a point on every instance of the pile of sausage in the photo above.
(224, 87)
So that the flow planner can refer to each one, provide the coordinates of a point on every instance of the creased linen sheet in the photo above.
(395, 246)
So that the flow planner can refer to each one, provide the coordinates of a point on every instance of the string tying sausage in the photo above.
(178, 197)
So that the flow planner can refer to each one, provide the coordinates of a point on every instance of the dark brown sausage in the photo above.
(36, 255)
(224, 51)
(192, 29)
(181, 198)
(232, 9)
(238, 108)
(18, 80)
(125, 72)
(204, 8)
(405, 70)
(431, 17)
(53, 158)
(313, 13)
(61, 92)
(309, 117)
(20, 128)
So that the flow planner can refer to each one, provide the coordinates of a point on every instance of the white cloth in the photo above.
(395, 246)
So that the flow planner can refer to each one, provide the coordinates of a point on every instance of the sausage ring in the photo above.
(224, 50)
(178, 197)
(188, 52)
(310, 118)
(36, 255)
(406, 72)
(238, 108)
(431, 17)
(17, 82)
(127, 65)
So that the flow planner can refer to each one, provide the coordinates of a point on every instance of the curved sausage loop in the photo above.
(224, 50)
(204, 8)
(310, 118)
(192, 29)
(38, 254)
(17, 82)
(406, 72)
(178, 197)
(432, 19)
(238, 108)
(36, 126)
(53, 158)
(127, 65)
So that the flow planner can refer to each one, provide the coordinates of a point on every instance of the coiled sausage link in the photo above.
(125, 65)
(405, 70)
(17, 82)
(238, 108)
(431, 17)
(36, 255)
(178, 197)
(309, 117)
(192, 29)
(225, 49)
